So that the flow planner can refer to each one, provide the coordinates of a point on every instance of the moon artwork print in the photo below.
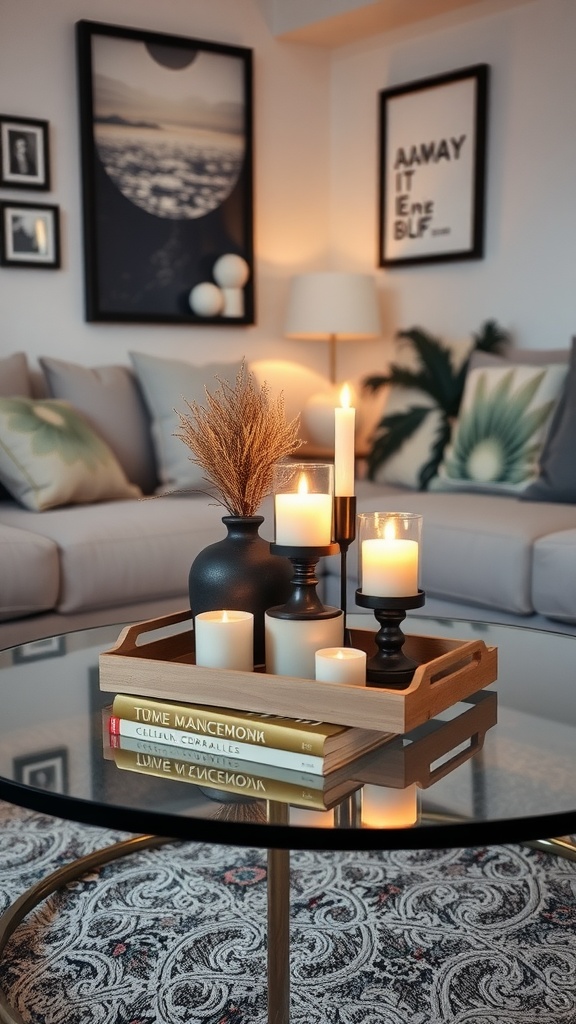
(167, 171)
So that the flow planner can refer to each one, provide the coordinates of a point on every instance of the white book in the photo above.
(199, 757)
(211, 745)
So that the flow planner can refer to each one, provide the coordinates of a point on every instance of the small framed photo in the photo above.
(24, 156)
(38, 650)
(29, 235)
(46, 770)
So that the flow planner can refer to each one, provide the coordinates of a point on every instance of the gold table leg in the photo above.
(278, 924)
(563, 846)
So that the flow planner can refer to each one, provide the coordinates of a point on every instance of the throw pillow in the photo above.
(501, 428)
(167, 384)
(557, 479)
(405, 467)
(110, 400)
(49, 456)
(14, 376)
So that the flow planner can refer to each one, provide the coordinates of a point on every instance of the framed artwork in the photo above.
(29, 235)
(38, 650)
(166, 136)
(432, 168)
(47, 770)
(24, 156)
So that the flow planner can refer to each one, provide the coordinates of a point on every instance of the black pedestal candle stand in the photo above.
(303, 602)
(390, 667)
(344, 534)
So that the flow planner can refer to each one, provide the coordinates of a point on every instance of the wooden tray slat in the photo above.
(448, 671)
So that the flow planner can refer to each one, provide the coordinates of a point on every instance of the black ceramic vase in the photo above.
(239, 572)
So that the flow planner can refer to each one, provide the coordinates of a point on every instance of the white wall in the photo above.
(527, 279)
(42, 311)
(316, 138)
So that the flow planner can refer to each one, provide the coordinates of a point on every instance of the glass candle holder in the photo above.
(389, 545)
(303, 504)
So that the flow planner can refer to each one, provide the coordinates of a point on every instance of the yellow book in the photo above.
(226, 775)
(333, 744)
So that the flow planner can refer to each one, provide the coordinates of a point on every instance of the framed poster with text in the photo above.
(433, 168)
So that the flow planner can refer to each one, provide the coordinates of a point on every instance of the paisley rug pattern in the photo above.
(178, 934)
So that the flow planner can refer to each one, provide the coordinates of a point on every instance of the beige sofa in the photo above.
(89, 563)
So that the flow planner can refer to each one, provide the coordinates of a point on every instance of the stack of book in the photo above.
(266, 757)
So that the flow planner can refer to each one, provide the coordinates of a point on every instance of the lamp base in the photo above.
(390, 668)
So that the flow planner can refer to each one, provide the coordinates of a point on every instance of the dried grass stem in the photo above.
(236, 438)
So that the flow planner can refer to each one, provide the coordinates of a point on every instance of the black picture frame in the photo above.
(433, 168)
(46, 769)
(30, 235)
(24, 153)
(167, 180)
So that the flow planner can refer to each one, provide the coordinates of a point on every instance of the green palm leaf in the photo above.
(436, 377)
(394, 430)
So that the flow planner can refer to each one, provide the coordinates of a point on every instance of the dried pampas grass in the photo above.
(236, 438)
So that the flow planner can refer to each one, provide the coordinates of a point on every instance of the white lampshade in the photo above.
(333, 305)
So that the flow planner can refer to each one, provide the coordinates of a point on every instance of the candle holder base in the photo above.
(303, 602)
(390, 667)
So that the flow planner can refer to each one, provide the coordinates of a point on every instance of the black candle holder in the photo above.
(344, 534)
(303, 602)
(390, 667)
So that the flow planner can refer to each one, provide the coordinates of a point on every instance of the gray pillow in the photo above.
(521, 356)
(109, 399)
(557, 479)
(14, 377)
(167, 384)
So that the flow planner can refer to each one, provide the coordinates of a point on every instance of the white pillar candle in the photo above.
(341, 665)
(291, 644)
(344, 427)
(225, 639)
(390, 568)
(303, 519)
(383, 807)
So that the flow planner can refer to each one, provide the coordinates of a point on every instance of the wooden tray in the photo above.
(448, 671)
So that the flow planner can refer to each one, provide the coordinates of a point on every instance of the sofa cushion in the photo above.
(554, 576)
(115, 553)
(501, 428)
(30, 576)
(405, 467)
(14, 376)
(167, 384)
(557, 476)
(110, 400)
(474, 549)
(50, 456)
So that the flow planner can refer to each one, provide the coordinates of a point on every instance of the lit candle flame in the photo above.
(345, 397)
(303, 484)
(390, 530)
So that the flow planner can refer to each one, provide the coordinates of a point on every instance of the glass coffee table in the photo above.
(490, 770)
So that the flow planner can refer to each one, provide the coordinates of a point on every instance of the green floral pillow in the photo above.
(49, 456)
(501, 429)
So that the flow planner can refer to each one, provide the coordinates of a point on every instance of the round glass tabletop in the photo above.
(496, 767)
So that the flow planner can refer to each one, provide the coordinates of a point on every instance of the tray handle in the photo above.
(452, 672)
(127, 642)
(475, 745)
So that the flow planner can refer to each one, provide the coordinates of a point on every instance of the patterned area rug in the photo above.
(482, 936)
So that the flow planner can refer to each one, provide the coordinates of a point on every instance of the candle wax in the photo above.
(390, 567)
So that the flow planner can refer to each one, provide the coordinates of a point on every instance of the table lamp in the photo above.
(332, 305)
